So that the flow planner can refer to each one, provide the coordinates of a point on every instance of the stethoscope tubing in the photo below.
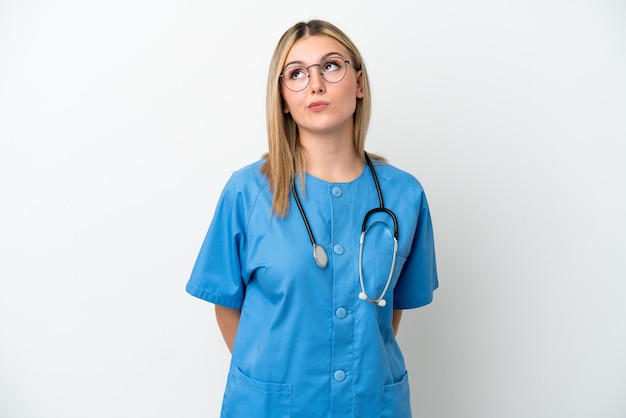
(320, 256)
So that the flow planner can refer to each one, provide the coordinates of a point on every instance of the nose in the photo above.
(316, 81)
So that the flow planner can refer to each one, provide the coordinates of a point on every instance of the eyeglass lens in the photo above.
(333, 69)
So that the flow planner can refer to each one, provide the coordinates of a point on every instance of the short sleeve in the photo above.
(418, 279)
(216, 276)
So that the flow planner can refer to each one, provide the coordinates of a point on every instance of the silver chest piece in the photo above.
(320, 256)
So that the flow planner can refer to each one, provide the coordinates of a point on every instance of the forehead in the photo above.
(313, 48)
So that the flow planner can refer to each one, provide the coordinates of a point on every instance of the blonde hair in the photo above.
(285, 157)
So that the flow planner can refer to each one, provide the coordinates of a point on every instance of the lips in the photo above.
(318, 106)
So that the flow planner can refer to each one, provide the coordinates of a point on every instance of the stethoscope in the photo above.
(319, 254)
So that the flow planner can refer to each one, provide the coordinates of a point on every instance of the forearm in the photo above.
(228, 321)
(397, 315)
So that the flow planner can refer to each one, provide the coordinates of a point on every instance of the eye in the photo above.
(333, 64)
(296, 73)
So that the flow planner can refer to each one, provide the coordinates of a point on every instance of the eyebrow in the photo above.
(330, 54)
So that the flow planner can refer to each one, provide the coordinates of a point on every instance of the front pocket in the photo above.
(395, 399)
(247, 397)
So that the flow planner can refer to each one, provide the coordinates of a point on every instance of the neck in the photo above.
(331, 157)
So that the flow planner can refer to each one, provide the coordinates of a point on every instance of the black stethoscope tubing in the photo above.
(380, 208)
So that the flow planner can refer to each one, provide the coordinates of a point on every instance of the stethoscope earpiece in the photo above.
(381, 302)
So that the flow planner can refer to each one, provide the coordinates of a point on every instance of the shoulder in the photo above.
(397, 178)
(402, 183)
(244, 188)
(248, 179)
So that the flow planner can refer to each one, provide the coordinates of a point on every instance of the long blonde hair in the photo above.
(285, 157)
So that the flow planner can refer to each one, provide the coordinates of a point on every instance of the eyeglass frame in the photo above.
(308, 73)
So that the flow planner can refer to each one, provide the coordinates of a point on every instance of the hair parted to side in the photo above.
(285, 157)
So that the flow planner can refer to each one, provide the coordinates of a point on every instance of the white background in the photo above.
(120, 122)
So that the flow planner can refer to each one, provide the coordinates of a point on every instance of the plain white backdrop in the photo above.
(120, 122)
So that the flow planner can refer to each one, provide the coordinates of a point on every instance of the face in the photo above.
(321, 107)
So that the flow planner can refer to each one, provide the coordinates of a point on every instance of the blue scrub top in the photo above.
(306, 345)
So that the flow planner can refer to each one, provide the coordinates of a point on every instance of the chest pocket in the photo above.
(247, 397)
(377, 253)
(382, 267)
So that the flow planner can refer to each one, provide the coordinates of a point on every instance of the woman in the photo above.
(310, 314)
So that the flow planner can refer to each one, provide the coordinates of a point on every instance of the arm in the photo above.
(228, 321)
(397, 315)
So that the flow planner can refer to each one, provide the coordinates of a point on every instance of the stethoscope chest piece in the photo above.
(319, 254)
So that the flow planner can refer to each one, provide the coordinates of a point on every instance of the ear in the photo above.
(284, 104)
(359, 84)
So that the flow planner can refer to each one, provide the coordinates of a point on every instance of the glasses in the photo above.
(333, 69)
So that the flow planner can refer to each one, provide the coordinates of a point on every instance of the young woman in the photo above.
(315, 250)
